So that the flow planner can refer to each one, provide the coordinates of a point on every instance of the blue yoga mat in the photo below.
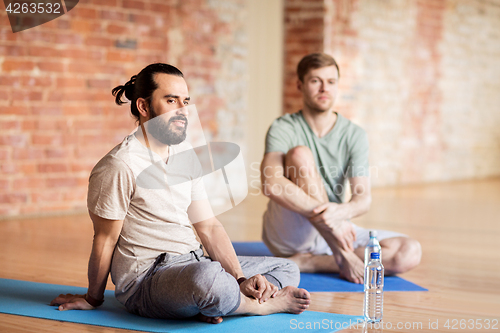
(317, 282)
(31, 299)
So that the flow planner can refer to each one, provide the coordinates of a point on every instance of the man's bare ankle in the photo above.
(286, 300)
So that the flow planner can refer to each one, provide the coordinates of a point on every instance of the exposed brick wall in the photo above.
(57, 115)
(304, 33)
(419, 75)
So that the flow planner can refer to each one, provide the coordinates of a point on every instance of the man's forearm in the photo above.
(99, 267)
(289, 195)
(219, 246)
(357, 206)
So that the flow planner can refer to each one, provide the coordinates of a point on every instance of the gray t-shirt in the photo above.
(151, 197)
(342, 153)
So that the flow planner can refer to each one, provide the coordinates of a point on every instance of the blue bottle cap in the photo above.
(375, 255)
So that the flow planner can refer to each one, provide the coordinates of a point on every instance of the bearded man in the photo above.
(145, 196)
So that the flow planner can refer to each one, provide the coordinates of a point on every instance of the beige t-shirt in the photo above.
(151, 197)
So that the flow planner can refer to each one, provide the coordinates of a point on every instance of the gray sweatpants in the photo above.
(186, 285)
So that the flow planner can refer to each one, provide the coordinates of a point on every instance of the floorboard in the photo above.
(456, 223)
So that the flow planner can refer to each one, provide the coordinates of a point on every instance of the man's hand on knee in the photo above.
(258, 287)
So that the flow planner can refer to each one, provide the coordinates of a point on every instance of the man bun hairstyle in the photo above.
(314, 61)
(142, 85)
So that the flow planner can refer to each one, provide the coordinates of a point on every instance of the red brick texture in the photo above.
(420, 76)
(57, 114)
(304, 33)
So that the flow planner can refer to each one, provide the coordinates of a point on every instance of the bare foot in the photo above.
(309, 263)
(351, 267)
(210, 320)
(303, 261)
(289, 299)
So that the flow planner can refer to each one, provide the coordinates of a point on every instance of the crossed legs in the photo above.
(400, 254)
(191, 286)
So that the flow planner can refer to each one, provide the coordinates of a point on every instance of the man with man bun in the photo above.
(143, 226)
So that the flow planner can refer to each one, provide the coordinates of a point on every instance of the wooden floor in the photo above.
(458, 225)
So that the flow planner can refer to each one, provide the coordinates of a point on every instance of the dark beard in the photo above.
(162, 131)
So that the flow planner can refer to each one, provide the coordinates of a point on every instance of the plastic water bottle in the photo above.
(374, 289)
(373, 246)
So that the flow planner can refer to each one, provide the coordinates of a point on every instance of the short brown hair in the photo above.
(313, 61)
